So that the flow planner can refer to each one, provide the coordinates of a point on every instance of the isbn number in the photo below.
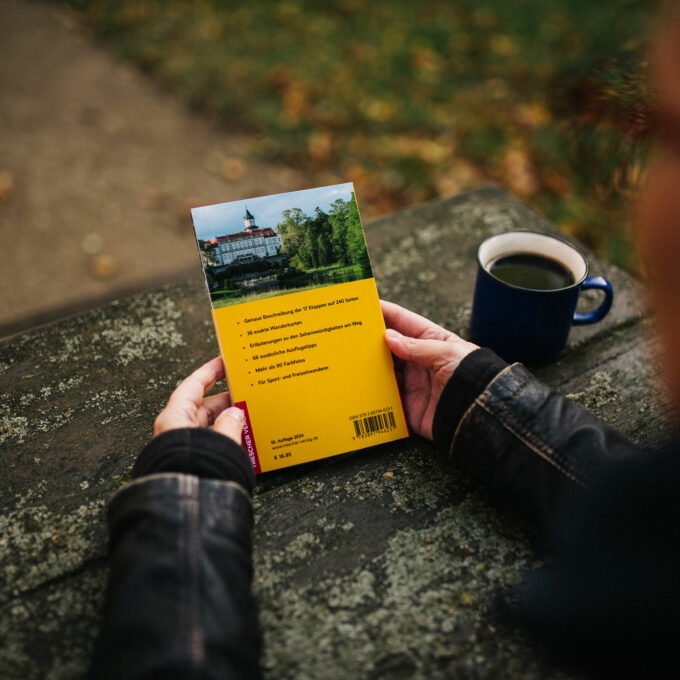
(381, 422)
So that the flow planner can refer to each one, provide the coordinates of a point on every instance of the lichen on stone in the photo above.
(69, 350)
(74, 381)
(27, 399)
(35, 493)
(54, 421)
(499, 222)
(599, 392)
(114, 404)
(426, 276)
(396, 571)
(429, 234)
(60, 620)
(397, 259)
(149, 328)
(40, 544)
(12, 427)
(342, 624)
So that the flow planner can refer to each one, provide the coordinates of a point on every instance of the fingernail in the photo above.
(237, 413)
(391, 333)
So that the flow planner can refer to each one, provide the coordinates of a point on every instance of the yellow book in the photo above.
(299, 325)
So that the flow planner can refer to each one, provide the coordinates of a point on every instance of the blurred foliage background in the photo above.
(414, 99)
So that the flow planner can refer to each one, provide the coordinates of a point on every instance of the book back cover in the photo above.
(298, 322)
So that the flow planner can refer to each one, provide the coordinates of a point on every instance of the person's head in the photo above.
(659, 207)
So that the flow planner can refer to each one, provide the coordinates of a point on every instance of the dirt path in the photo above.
(98, 170)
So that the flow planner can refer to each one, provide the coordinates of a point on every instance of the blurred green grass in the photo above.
(414, 99)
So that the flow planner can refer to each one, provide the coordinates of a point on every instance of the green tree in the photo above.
(338, 217)
(292, 231)
(326, 238)
(320, 228)
(356, 242)
(325, 250)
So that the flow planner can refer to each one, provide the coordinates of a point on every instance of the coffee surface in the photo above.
(529, 270)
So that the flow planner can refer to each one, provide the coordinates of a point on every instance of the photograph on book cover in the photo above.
(299, 325)
(273, 245)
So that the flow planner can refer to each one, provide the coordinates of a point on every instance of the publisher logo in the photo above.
(249, 439)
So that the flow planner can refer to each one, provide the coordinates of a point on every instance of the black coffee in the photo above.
(528, 270)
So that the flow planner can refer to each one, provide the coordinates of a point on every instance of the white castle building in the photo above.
(246, 246)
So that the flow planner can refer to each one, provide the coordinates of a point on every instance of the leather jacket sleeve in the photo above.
(608, 596)
(179, 600)
(532, 448)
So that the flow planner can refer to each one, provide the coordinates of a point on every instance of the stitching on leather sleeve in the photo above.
(530, 440)
(466, 415)
(142, 481)
(196, 639)
(533, 442)
(571, 468)
(470, 408)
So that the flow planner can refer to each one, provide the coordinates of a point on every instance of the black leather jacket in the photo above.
(609, 595)
(532, 448)
(179, 602)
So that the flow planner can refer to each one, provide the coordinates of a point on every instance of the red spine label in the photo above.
(249, 439)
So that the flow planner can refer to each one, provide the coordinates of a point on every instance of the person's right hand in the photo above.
(427, 357)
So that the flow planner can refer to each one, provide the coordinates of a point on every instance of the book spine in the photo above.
(249, 439)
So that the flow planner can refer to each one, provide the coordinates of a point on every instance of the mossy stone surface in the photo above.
(385, 563)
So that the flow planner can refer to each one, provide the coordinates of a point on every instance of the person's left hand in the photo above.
(189, 407)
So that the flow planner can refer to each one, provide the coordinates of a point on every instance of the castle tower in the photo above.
(249, 221)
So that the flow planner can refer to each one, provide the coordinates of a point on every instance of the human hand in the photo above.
(189, 407)
(427, 355)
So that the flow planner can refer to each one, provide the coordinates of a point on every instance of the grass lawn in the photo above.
(414, 99)
(225, 302)
(318, 277)
(350, 272)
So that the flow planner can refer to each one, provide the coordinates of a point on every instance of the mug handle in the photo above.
(598, 283)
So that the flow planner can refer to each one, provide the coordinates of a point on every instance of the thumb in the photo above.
(230, 423)
(421, 352)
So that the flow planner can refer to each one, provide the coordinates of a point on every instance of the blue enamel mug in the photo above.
(529, 324)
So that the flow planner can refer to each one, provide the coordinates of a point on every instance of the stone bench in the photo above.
(380, 564)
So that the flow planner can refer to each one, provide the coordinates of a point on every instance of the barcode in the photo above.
(381, 422)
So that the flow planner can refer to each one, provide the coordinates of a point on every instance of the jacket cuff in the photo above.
(196, 451)
(468, 381)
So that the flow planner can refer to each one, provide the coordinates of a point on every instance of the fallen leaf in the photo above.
(103, 267)
(6, 185)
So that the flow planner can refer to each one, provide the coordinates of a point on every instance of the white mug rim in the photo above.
(490, 249)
